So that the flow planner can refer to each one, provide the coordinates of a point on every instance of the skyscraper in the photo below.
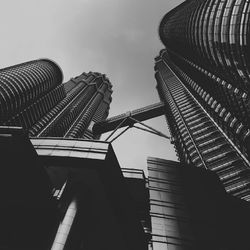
(60, 182)
(28, 91)
(33, 96)
(203, 78)
(87, 101)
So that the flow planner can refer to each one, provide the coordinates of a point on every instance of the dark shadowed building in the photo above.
(190, 209)
(138, 187)
(67, 194)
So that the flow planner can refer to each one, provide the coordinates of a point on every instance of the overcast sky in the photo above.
(116, 37)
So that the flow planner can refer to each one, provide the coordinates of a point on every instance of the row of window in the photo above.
(203, 145)
(47, 118)
(84, 119)
(35, 111)
(20, 85)
(233, 100)
(216, 35)
(63, 120)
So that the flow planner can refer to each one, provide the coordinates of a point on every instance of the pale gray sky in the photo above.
(116, 37)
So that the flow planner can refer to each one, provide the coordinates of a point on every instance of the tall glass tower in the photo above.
(33, 96)
(87, 101)
(28, 91)
(203, 78)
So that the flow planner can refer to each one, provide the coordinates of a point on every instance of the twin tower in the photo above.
(63, 190)
(202, 75)
(33, 96)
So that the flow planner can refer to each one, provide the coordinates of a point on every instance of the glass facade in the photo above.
(213, 34)
(28, 91)
(197, 136)
(87, 101)
(203, 78)
(33, 96)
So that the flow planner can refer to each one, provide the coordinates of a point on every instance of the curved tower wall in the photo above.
(203, 78)
(214, 34)
(28, 91)
(210, 39)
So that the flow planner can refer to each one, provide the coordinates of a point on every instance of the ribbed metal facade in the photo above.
(87, 102)
(28, 91)
(211, 44)
(203, 77)
(198, 137)
(33, 96)
(212, 33)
